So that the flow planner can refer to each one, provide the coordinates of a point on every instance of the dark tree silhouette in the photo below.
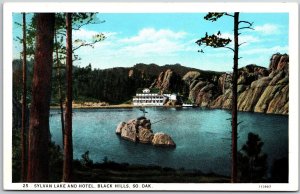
(79, 19)
(23, 129)
(60, 96)
(253, 163)
(217, 41)
(280, 171)
(68, 144)
(38, 157)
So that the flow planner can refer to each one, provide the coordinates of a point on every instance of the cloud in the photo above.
(147, 45)
(166, 46)
(267, 29)
(87, 35)
(160, 47)
(84, 34)
(152, 35)
(154, 42)
(110, 34)
(242, 38)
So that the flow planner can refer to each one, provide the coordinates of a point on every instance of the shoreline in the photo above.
(80, 106)
(130, 106)
(96, 107)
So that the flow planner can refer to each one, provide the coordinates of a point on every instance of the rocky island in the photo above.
(139, 130)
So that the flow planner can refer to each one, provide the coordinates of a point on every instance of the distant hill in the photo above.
(177, 68)
(119, 84)
(260, 89)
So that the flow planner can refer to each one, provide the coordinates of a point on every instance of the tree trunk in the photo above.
(68, 149)
(23, 129)
(234, 98)
(38, 157)
(59, 90)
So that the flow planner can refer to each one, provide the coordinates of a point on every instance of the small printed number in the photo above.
(264, 186)
(25, 185)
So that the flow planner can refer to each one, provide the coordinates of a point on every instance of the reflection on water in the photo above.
(202, 136)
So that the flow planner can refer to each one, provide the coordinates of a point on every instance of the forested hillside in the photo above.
(260, 89)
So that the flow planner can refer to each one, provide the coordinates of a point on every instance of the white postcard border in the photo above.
(166, 7)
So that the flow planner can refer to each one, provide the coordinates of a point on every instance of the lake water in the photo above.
(202, 136)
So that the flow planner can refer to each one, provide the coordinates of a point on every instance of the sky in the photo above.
(169, 38)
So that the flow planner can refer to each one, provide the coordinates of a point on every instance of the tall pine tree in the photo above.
(217, 41)
(68, 143)
(39, 135)
(23, 129)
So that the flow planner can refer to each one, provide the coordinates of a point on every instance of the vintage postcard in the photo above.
(151, 96)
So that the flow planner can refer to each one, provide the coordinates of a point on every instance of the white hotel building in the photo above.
(151, 99)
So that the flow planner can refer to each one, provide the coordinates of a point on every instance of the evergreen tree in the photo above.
(217, 41)
(38, 142)
(23, 129)
(253, 163)
(68, 144)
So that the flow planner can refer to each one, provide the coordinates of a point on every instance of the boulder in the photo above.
(139, 130)
(120, 127)
(145, 135)
(129, 132)
(162, 139)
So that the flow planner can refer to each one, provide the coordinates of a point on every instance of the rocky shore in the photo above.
(260, 89)
(139, 130)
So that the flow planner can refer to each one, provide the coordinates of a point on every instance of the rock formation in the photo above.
(168, 81)
(202, 89)
(247, 75)
(162, 139)
(129, 131)
(268, 94)
(259, 89)
(139, 130)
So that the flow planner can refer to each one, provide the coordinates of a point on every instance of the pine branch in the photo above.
(229, 48)
(227, 14)
(214, 16)
(87, 23)
(247, 27)
(246, 22)
(18, 24)
(97, 38)
(242, 43)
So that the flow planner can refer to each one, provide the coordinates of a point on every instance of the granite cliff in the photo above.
(259, 89)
